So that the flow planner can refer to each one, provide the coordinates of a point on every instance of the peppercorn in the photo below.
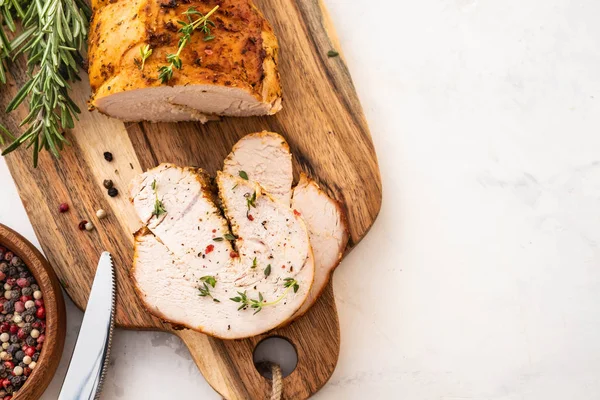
(82, 224)
(89, 226)
(19, 355)
(108, 156)
(101, 214)
(107, 183)
(113, 192)
(27, 291)
(63, 208)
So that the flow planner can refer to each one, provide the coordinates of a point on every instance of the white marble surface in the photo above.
(481, 278)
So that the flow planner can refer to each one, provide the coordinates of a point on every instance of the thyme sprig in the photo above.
(203, 24)
(258, 304)
(53, 36)
(159, 208)
(250, 200)
(205, 288)
(145, 52)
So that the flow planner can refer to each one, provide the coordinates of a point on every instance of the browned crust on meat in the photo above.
(244, 53)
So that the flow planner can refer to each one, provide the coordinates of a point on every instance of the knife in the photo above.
(90, 358)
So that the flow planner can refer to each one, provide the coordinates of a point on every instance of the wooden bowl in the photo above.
(56, 317)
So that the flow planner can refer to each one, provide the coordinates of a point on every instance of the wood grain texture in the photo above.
(56, 315)
(324, 124)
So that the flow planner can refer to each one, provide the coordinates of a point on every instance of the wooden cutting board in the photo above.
(324, 124)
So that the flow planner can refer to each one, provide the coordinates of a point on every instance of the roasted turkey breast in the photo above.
(231, 72)
(191, 270)
(266, 159)
(327, 230)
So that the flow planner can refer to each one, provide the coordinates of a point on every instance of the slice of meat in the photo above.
(328, 232)
(233, 74)
(265, 158)
(185, 249)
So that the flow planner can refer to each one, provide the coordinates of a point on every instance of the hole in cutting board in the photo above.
(278, 350)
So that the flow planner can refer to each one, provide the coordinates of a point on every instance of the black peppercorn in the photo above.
(16, 262)
(113, 192)
(14, 294)
(30, 341)
(35, 357)
(19, 355)
(3, 267)
(9, 306)
(12, 349)
(35, 287)
(12, 271)
(14, 339)
(107, 183)
(108, 156)
(27, 291)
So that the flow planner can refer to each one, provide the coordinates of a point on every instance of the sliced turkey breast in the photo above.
(189, 268)
(264, 158)
(328, 232)
(233, 73)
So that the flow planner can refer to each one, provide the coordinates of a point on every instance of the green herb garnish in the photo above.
(251, 200)
(332, 53)
(205, 289)
(259, 304)
(145, 52)
(229, 236)
(203, 24)
(243, 175)
(159, 208)
(254, 263)
(268, 271)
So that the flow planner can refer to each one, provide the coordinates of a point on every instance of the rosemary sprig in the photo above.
(260, 303)
(53, 36)
(159, 208)
(203, 24)
(205, 289)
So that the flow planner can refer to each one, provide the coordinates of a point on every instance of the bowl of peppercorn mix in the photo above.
(32, 319)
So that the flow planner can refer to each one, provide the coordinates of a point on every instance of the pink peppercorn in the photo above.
(5, 382)
(82, 225)
(25, 299)
(23, 282)
(19, 307)
(9, 364)
(2, 276)
(21, 334)
(5, 327)
(9, 397)
(41, 339)
(64, 207)
(11, 281)
(26, 371)
(41, 313)
(14, 329)
(30, 351)
(39, 303)
(8, 255)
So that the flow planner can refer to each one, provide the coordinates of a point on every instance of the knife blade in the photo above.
(89, 361)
